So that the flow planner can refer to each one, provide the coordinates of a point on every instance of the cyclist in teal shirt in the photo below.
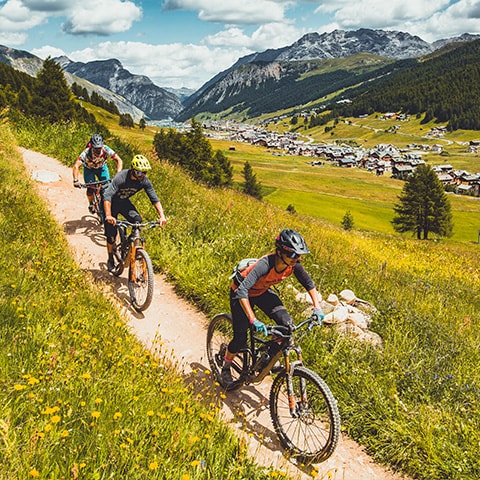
(94, 160)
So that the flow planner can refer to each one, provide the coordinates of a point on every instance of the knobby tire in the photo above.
(141, 280)
(312, 433)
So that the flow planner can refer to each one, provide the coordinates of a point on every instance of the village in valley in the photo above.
(382, 159)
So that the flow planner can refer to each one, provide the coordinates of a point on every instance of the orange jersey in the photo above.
(260, 276)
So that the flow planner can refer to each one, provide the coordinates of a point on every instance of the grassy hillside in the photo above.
(414, 403)
(80, 397)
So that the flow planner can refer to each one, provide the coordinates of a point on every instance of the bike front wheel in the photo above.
(219, 335)
(140, 281)
(306, 422)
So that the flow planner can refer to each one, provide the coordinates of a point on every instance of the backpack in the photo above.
(240, 267)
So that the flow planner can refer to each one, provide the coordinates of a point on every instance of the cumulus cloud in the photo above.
(82, 16)
(48, 51)
(15, 17)
(380, 14)
(175, 65)
(272, 35)
(101, 18)
(246, 12)
(48, 6)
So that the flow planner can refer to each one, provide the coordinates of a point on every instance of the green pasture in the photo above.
(413, 403)
(327, 192)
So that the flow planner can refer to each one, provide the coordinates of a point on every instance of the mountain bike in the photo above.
(303, 410)
(129, 252)
(96, 206)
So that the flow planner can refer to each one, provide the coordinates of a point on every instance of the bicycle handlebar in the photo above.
(126, 223)
(94, 184)
(286, 331)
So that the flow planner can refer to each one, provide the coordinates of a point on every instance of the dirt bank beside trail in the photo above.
(182, 329)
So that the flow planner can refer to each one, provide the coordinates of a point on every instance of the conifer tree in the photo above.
(251, 186)
(423, 206)
(347, 221)
(52, 96)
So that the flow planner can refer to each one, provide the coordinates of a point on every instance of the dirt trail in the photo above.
(182, 330)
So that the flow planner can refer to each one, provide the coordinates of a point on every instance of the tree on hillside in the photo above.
(194, 153)
(52, 96)
(347, 221)
(423, 206)
(126, 120)
(142, 124)
(251, 186)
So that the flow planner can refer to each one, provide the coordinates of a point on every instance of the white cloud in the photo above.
(246, 12)
(101, 18)
(15, 17)
(380, 14)
(174, 65)
(12, 39)
(81, 16)
(48, 51)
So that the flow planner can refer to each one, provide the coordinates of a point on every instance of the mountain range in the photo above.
(314, 66)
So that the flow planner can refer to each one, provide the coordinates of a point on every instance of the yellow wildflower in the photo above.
(150, 413)
(95, 414)
(117, 415)
(19, 387)
(153, 465)
(64, 433)
(34, 473)
(55, 418)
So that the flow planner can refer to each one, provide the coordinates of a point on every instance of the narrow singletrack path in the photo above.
(182, 331)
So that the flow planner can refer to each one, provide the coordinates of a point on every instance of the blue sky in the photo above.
(184, 43)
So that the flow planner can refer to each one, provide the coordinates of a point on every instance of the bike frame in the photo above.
(131, 243)
(287, 349)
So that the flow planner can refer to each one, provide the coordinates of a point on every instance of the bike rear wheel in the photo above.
(312, 432)
(140, 280)
(219, 335)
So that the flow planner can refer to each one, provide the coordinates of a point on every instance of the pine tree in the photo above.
(251, 187)
(52, 96)
(423, 206)
(347, 221)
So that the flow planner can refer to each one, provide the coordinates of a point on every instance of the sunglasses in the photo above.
(138, 173)
(291, 254)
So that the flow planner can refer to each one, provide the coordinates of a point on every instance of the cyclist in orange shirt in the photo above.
(251, 288)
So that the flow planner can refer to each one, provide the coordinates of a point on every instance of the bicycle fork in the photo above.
(290, 367)
(131, 261)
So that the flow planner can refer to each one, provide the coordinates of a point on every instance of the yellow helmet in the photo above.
(141, 163)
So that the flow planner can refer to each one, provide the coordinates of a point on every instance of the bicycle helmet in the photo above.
(141, 163)
(96, 141)
(292, 243)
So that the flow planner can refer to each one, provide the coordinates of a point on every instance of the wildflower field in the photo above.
(80, 398)
(414, 404)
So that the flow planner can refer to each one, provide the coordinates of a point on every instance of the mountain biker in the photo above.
(251, 288)
(116, 199)
(94, 160)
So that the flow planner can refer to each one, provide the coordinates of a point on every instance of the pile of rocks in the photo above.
(348, 314)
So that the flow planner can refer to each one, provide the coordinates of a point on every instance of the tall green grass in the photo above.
(80, 397)
(415, 403)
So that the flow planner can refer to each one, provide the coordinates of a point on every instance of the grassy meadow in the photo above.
(80, 397)
(415, 403)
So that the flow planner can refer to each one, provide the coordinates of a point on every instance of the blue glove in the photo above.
(259, 326)
(318, 315)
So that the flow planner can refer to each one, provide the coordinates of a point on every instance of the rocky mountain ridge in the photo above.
(251, 69)
(140, 97)
(139, 90)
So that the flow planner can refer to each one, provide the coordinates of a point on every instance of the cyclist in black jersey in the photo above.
(116, 199)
